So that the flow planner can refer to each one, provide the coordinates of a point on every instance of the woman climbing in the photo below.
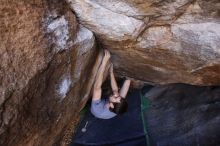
(116, 103)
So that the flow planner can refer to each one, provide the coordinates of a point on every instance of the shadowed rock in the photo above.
(183, 115)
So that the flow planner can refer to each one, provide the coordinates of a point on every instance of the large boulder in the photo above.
(158, 41)
(183, 115)
(46, 71)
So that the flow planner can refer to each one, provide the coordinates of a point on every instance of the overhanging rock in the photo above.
(159, 42)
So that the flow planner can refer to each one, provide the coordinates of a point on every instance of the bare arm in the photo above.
(125, 88)
(97, 91)
(113, 81)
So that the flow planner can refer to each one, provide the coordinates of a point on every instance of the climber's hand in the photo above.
(106, 55)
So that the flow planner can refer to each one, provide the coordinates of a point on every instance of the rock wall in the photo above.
(46, 71)
(183, 115)
(48, 60)
(158, 41)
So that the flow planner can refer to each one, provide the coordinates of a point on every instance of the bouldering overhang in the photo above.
(159, 42)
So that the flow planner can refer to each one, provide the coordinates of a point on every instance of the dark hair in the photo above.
(119, 108)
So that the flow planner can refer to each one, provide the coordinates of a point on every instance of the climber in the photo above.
(116, 103)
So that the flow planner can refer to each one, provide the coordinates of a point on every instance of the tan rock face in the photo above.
(46, 71)
(158, 41)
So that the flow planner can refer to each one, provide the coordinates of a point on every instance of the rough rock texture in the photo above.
(183, 115)
(158, 41)
(46, 71)
(48, 60)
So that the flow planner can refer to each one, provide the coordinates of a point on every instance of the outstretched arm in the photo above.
(113, 81)
(124, 89)
(97, 91)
